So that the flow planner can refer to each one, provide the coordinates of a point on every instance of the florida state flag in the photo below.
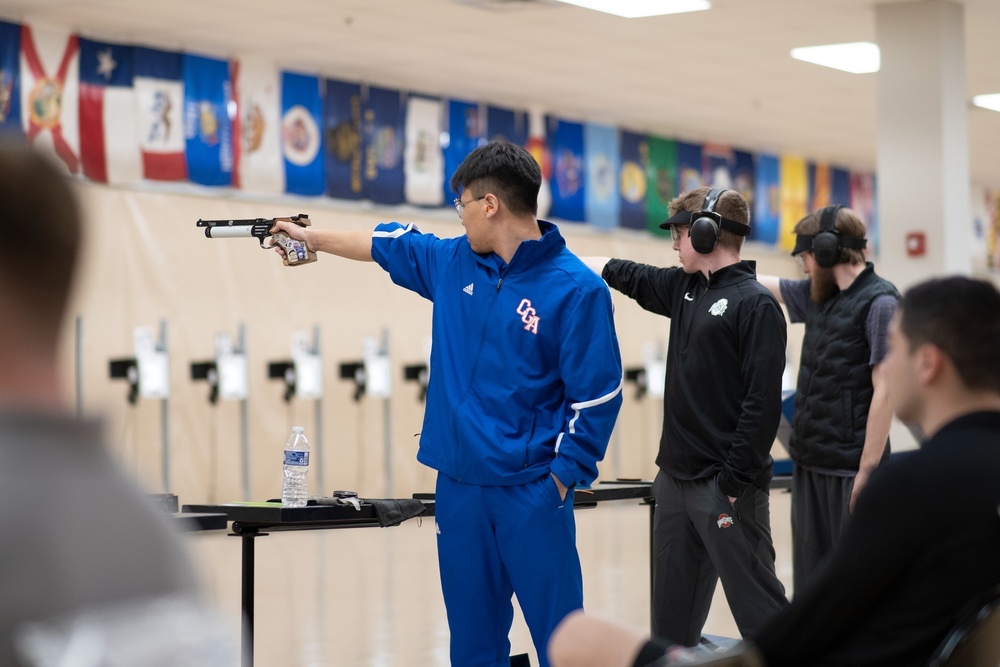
(50, 92)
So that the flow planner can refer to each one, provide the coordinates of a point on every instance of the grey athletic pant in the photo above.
(820, 510)
(699, 538)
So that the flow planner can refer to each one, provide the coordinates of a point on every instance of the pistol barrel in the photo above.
(239, 231)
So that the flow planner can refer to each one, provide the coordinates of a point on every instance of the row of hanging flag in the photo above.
(119, 113)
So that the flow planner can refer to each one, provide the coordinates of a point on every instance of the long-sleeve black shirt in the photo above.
(923, 541)
(725, 357)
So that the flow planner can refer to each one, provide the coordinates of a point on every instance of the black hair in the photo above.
(505, 170)
(961, 317)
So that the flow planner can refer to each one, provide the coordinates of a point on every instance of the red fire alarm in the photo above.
(916, 244)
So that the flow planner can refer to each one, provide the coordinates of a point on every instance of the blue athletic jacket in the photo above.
(526, 373)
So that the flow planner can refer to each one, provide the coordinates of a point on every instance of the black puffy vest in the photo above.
(834, 388)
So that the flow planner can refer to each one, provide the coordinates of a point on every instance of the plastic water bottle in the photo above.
(294, 492)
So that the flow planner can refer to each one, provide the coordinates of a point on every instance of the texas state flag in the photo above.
(109, 137)
(49, 92)
(159, 94)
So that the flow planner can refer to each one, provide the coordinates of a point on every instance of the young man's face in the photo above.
(901, 375)
(686, 255)
(477, 227)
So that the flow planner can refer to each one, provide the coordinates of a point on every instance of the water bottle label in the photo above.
(296, 458)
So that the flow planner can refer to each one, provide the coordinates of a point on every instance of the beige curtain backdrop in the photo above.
(146, 262)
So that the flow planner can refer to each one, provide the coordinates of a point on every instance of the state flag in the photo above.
(422, 158)
(794, 184)
(864, 202)
(602, 158)
(10, 77)
(662, 167)
(159, 95)
(259, 166)
(383, 128)
(109, 136)
(689, 167)
(538, 146)
(50, 80)
(463, 131)
(744, 175)
(766, 219)
(840, 185)
(342, 133)
(568, 171)
(727, 168)
(632, 180)
(507, 124)
(820, 185)
(207, 126)
(301, 139)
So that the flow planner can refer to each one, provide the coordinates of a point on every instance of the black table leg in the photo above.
(248, 581)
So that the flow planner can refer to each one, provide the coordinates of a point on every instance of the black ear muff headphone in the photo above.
(705, 228)
(828, 242)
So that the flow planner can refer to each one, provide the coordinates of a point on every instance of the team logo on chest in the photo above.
(528, 316)
(719, 307)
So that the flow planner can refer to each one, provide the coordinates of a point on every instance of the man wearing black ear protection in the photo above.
(842, 416)
(722, 405)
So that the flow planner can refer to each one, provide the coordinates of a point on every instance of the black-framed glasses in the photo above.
(460, 205)
(675, 231)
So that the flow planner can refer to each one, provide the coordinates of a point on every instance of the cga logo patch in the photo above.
(529, 316)
(725, 521)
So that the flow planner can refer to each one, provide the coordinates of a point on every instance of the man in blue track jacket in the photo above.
(525, 388)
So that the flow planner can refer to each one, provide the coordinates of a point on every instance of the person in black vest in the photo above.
(840, 429)
(721, 408)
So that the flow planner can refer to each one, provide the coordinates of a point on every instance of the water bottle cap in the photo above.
(298, 429)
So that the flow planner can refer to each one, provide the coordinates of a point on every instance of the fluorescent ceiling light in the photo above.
(991, 102)
(634, 9)
(855, 57)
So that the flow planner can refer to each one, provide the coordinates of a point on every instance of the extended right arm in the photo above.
(595, 264)
(773, 284)
(649, 286)
(356, 245)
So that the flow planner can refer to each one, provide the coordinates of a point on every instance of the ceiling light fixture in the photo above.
(991, 101)
(853, 57)
(634, 9)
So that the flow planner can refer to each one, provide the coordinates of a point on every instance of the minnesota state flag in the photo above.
(301, 139)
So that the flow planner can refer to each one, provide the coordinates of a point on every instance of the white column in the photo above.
(923, 152)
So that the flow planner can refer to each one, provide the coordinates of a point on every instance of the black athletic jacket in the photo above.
(722, 399)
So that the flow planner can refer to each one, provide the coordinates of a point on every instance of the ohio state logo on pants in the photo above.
(528, 316)
(725, 521)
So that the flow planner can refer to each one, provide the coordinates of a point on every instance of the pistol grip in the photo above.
(296, 252)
